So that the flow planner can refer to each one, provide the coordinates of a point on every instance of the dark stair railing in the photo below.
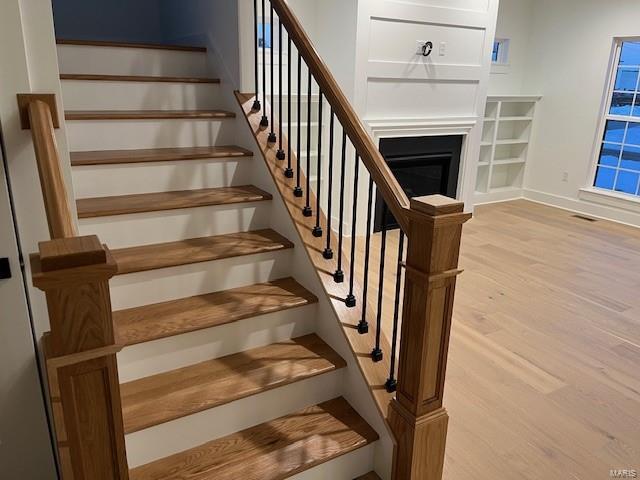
(421, 280)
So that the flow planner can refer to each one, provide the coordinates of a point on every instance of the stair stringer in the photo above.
(369, 400)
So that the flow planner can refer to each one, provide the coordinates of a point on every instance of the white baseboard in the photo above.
(583, 207)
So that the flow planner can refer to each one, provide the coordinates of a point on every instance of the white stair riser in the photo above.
(151, 358)
(172, 225)
(130, 61)
(134, 134)
(123, 179)
(95, 95)
(346, 467)
(189, 432)
(143, 288)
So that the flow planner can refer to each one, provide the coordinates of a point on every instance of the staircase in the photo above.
(223, 373)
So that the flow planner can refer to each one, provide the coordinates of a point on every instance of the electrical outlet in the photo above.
(565, 176)
(443, 49)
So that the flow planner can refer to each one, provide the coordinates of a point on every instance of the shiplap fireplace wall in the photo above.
(402, 93)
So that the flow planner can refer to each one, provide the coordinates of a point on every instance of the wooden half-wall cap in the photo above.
(24, 99)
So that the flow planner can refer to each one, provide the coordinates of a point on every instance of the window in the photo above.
(618, 159)
(500, 53)
(267, 35)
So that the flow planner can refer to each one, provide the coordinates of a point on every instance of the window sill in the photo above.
(610, 199)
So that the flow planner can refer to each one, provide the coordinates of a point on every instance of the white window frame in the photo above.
(614, 62)
(503, 51)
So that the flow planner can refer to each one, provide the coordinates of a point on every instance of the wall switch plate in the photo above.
(443, 49)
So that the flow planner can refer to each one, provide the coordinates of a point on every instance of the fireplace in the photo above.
(423, 166)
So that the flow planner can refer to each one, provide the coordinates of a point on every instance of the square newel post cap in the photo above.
(436, 205)
(71, 261)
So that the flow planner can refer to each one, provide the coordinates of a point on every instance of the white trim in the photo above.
(603, 212)
(610, 198)
(409, 12)
(614, 62)
(425, 71)
(416, 127)
(500, 68)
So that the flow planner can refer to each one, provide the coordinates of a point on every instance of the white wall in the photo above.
(514, 23)
(569, 56)
(28, 63)
(395, 84)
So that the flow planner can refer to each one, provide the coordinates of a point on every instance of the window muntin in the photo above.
(618, 167)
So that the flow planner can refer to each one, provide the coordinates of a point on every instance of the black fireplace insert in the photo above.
(423, 166)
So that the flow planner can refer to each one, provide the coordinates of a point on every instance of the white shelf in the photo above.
(512, 141)
(508, 120)
(516, 119)
(509, 161)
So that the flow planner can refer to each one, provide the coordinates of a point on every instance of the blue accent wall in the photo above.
(109, 20)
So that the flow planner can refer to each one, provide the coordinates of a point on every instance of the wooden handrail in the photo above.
(392, 192)
(54, 191)
(80, 349)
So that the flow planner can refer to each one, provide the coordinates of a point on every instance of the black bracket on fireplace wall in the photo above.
(423, 166)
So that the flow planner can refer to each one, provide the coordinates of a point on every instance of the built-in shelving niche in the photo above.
(508, 123)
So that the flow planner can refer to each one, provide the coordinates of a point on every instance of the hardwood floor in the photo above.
(544, 367)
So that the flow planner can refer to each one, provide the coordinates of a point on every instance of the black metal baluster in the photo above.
(280, 153)
(307, 211)
(317, 230)
(338, 276)
(392, 384)
(272, 135)
(256, 103)
(363, 325)
(264, 122)
(376, 354)
(350, 301)
(289, 171)
(328, 253)
(297, 191)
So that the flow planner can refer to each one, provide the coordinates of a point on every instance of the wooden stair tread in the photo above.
(154, 202)
(167, 396)
(166, 319)
(110, 157)
(135, 78)
(147, 114)
(271, 451)
(153, 46)
(196, 250)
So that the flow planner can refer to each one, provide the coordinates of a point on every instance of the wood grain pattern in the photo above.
(81, 357)
(545, 342)
(375, 374)
(385, 181)
(161, 398)
(153, 46)
(54, 190)
(25, 99)
(161, 320)
(272, 451)
(155, 202)
(197, 250)
(71, 115)
(73, 252)
(109, 157)
(135, 78)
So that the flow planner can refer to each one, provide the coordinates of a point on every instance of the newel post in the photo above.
(81, 352)
(416, 415)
